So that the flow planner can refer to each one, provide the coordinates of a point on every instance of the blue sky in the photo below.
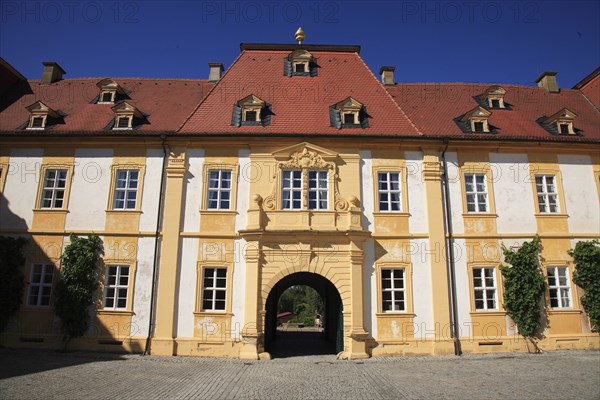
(502, 41)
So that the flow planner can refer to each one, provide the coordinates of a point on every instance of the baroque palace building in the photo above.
(298, 166)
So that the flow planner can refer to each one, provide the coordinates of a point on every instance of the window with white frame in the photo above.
(40, 285)
(126, 187)
(317, 190)
(116, 287)
(219, 189)
(214, 289)
(389, 191)
(484, 286)
(546, 193)
(558, 284)
(291, 189)
(393, 290)
(53, 192)
(476, 191)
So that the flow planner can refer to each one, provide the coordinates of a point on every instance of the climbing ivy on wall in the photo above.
(77, 281)
(524, 287)
(586, 256)
(12, 280)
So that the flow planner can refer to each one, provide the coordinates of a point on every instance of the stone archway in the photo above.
(330, 341)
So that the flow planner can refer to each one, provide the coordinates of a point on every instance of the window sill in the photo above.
(219, 212)
(115, 312)
(217, 313)
(395, 314)
(488, 313)
(564, 311)
(479, 215)
(125, 211)
(51, 210)
(391, 213)
(551, 215)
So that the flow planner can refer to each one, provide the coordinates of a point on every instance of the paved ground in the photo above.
(35, 374)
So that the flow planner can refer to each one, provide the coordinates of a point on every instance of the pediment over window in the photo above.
(348, 113)
(110, 91)
(476, 120)
(561, 122)
(251, 111)
(494, 97)
(41, 116)
(300, 63)
(306, 149)
(127, 116)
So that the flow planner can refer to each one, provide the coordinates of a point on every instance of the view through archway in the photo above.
(303, 317)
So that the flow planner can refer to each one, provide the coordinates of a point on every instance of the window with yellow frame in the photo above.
(54, 187)
(213, 288)
(126, 187)
(394, 288)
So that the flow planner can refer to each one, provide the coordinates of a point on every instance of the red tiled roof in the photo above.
(590, 86)
(300, 104)
(433, 107)
(166, 102)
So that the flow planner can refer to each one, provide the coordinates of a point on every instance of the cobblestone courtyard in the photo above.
(37, 374)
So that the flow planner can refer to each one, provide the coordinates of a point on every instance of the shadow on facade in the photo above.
(283, 344)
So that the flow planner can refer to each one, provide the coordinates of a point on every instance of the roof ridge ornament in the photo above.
(300, 35)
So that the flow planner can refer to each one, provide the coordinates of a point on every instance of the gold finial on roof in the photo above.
(300, 35)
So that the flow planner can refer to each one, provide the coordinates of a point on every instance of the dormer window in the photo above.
(126, 116)
(110, 91)
(348, 113)
(250, 111)
(494, 97)
(41, 116)
(300, 63)
(561, 122)
(476, 120)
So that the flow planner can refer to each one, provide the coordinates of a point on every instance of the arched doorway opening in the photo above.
(288, 344)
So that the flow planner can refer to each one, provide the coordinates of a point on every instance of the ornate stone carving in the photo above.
(306, 159)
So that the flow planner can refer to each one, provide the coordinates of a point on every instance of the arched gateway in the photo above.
(330, 341)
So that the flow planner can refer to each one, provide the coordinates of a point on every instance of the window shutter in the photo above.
(236, 116)
(335, 119)
(287, 67)
(363, 117)
(314, 70)
(266, 115)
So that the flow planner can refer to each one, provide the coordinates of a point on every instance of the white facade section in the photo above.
(366, 170)
(154, 161)
(455, 184)
(90, 189)
(142, 287)
(421, 288)
(463, 299)
(193, 190)
(243, 190)
(417, 204)
(369, 276)
(370, 288)
(238, 288)
(513, 193)
(581, 193)
(20, 188)
(187, 287)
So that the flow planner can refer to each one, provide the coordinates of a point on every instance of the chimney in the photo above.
(387, 75)
(216, 70)
(547, 80)
(52, 72)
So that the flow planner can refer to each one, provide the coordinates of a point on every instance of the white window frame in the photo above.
(544, 195)
(388, 191)
(559, 289)
(127, 189)
(397, 294)
(220, 189)
(291, 189)
(474, 194)
(46, 270)
(117, 287)
(321, 193)
(49, 192)
(212, 273)
(489, 292)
